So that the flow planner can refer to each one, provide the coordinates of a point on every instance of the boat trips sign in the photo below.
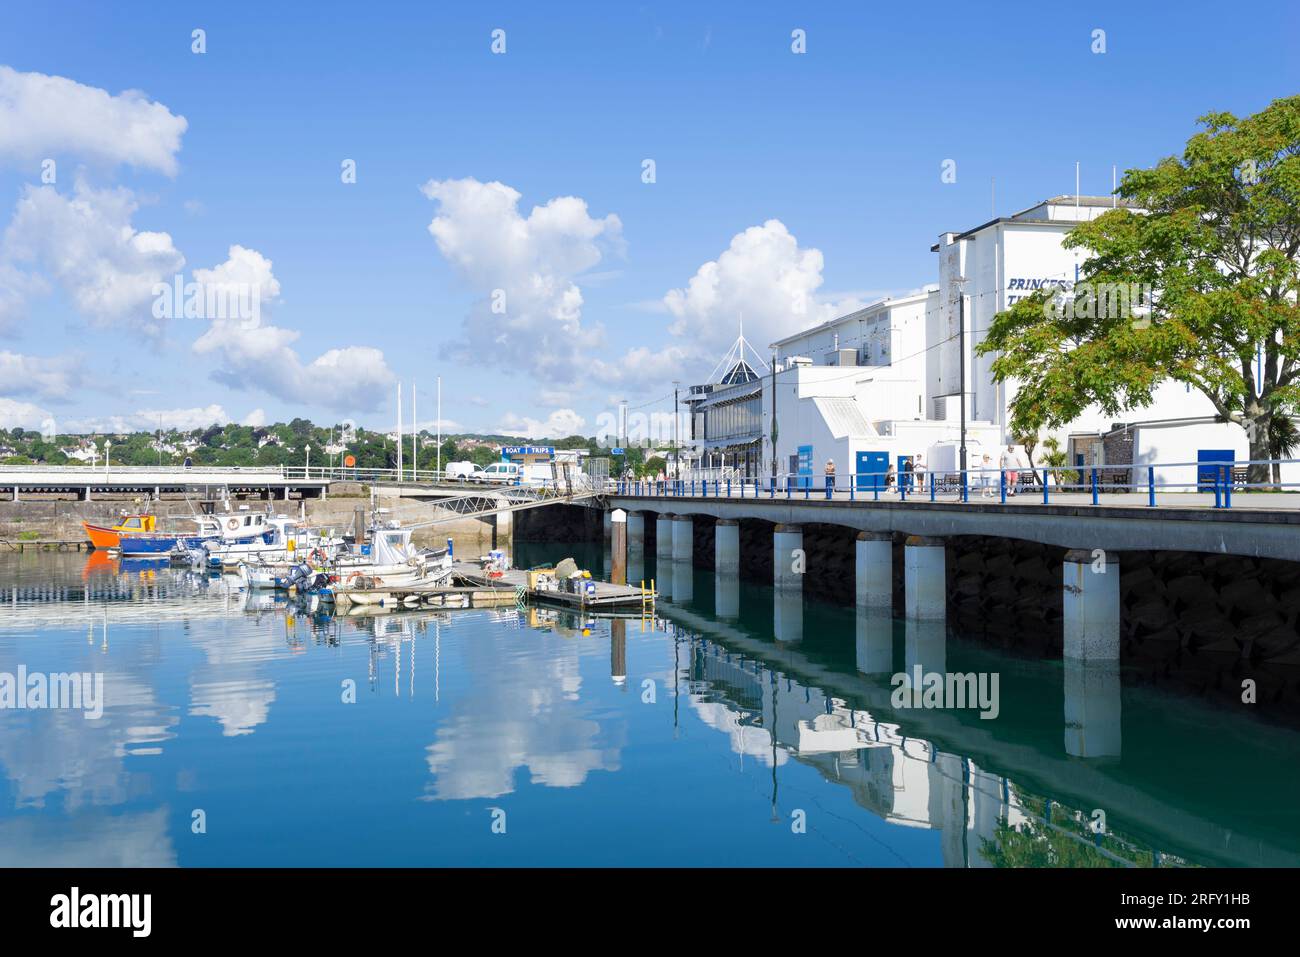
(516, 453)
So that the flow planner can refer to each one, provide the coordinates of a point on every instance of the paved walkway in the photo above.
(1270, 501)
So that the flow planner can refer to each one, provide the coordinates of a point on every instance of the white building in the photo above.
(882, 384)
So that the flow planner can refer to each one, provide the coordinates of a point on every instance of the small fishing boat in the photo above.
(105, 537)
(153, 543)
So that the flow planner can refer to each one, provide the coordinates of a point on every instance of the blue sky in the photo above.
(810, 180)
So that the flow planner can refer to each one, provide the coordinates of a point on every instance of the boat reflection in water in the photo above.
(707, 732)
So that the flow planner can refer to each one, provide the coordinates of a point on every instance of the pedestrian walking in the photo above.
(1011, 464)
(986, 477)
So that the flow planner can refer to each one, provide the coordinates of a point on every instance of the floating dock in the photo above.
(476, 588)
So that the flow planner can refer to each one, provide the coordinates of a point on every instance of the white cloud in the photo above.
(147, 420)
(765, 279)
(48, 116)
(558, 425)
(52, 377)
(86, 243)
(255, 419)
(22, 415)
(526, 267)
(183, 419)
(244, 268)
(259, 356)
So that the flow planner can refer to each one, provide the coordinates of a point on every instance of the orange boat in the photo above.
(110, 536)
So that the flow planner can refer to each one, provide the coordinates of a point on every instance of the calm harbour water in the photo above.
(528, 737)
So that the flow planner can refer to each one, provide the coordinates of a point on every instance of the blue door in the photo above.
(805, 467)
(1207, 473)
(870, 470)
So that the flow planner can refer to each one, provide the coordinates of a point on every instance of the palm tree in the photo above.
(1283, 437)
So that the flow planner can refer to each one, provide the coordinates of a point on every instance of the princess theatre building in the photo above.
(881, 385)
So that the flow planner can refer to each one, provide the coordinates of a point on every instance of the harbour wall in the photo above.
(1194, 623)
(55, 520)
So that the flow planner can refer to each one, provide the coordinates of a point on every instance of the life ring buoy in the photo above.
(232, 524)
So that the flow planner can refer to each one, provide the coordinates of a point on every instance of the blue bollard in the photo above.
(965, 490)
(1151, 486)
(1002, 484)
(728, 488)
(1045, 478)
(1094, 486)
(875, 485)
(932, 486)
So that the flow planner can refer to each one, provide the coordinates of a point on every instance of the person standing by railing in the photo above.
(830, 477)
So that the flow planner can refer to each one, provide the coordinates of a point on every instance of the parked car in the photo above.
(499, 473)
(461, 471)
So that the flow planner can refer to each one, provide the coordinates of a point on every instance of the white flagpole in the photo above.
(439, 423)
(399, 431)
(415, 438)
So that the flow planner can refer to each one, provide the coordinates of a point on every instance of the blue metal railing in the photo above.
(1218, 479)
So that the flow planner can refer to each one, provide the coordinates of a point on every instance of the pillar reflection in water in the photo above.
(726, 598)
(663, 573)
(636, 569)
(875, 641)
(683, 575)
(788, 614)
(618, 651)
(925, 643)
(1092, 709)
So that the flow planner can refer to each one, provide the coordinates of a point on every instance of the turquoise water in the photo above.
(526, 737)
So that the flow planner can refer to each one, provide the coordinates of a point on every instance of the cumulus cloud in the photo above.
(85, 242)
(47, 116)
(52, 377)
(255, 419)
(15, 414)
(763, 278)
(558, 425)
(530, 316)
(146, 420)
(260, 356)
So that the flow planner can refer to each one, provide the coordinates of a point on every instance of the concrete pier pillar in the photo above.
(1093, 728)
(618, 546)
(875, 640)
(1090, 605)
(788, 562)
(925, 586)
(683, 574)
(875, 570)
(726, 546)
(664, 536)
(683, 541)
(635, 535)
(607, 526)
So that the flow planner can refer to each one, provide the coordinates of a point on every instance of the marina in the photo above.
(693, 720)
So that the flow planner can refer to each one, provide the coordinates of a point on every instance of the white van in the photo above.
(461, 471)
(499, 473)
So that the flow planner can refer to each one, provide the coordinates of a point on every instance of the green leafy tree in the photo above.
(1214, 235)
